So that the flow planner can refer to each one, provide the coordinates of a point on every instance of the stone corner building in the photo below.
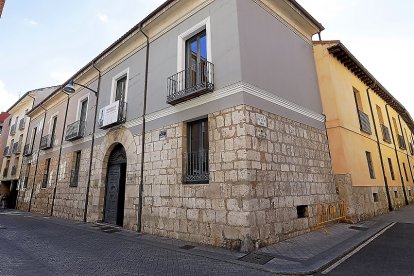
(202, 123)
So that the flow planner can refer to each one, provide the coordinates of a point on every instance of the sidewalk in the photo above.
(306, 254)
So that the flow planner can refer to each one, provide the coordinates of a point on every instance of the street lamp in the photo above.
(70, 87)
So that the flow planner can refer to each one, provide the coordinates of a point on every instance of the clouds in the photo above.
(7, 98)
(31, 22)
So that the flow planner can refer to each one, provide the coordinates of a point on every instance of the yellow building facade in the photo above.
(370, 135)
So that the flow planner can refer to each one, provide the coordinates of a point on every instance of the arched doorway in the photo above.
(115, 186)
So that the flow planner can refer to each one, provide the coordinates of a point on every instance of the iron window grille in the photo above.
(75, 130)
(401, 142)
(385, 133)
(7, 151)
(46, 142)
(13, 170)
(16, 148)
(196, 167)
(27, 150)
(5, 172)
(13, 129)
(22, 123)
(364, 122)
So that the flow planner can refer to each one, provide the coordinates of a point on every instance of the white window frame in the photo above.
(81, 99)
(50, 122)
(114, 82)
(182, 38)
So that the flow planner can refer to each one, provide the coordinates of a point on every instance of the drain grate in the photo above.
(360, 228)
(110, 231)
(257, 258)
(187, 247)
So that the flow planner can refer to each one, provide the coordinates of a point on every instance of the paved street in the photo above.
(392, 253)
(34, 245)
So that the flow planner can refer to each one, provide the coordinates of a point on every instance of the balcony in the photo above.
(196, 167)
(46, 142)
(364, 122)
(22, 123)
(74, 178)
(13, 129)
(7, 151)
(5, 172)
(385, 133)
(190, 83)
(13, 170)
(75, 130)
(27, 150)
(16, 148)
(401, 142)
(113, 114)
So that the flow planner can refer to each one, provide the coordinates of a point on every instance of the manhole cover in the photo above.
(256, 258)
(361, 228)
(187, 247)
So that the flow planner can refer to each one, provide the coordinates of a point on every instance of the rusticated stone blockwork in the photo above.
(258, 177)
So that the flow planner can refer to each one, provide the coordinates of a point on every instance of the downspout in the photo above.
(144, 110)
(396, 154)
(25, 142)
(406, 150)
(88, 183)
(60, 156)
(387, 189)
(37, 158)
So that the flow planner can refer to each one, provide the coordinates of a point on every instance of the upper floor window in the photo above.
(384, 129)
(370, 165)
(364, 123)
(120, 89)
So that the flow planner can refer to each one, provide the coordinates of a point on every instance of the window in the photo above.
(120, 89)
(409, 193)
(375, 196)
(27, 174)
(52, 128)
(33, 138)
(197, 167)
(83, 110)
(396, 194)
(379, 112)
(75, 169)
(391, 169)
(46, 173)
(405, 172)
(364, 123)
(196, 59)
(370, 166)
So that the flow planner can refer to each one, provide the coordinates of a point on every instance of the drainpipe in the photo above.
(144, 110)
(396, 154)
(387, 189)
(25, 142)
(37, 158)
(406, 150)
(88, 183)
(60, 155)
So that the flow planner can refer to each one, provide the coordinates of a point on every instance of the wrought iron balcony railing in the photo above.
(5, 172)
(190, 83)
(27, 150)
(364, 122)
(46, 142)
(16, 148)
(75, 130)
(7, 151)
(113, 114)
(22, 123)
(385, 133)
(74, 178)
(13, 170)
(401, 142)
(13, 129)
(196, 167)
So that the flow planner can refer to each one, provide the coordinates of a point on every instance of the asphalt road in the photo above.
(391, 253)
(35, 245)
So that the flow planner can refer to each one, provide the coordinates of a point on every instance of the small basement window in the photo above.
(396, 194)
(409, 192)
(375, 195)
(302, 211)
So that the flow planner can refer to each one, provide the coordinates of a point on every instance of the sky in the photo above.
(44, 42)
